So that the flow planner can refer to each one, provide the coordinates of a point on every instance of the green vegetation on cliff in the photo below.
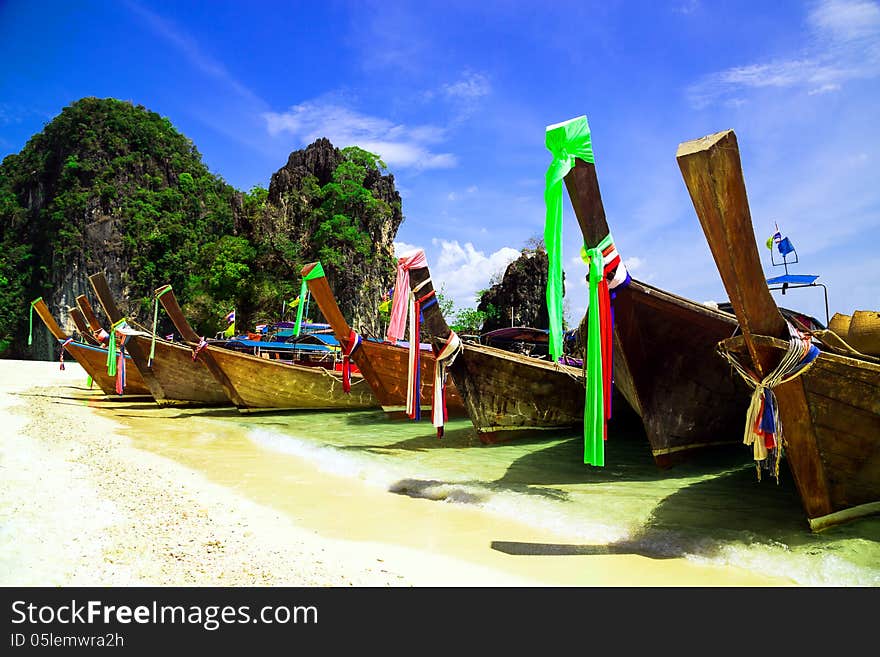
(111, 186)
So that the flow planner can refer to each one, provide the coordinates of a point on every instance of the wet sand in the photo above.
(99, 493)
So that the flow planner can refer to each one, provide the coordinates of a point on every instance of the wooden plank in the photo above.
(713, 174)
(80, 322)
(88, 312)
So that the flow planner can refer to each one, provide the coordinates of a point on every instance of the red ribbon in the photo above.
(354, 341)
(415, 410)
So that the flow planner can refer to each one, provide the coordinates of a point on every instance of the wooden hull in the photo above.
(666, 367)
(665, 363)
(94, 361)
(174, 378)
(830, 413)
(263, 384)
(384, 366)
(503, 391)
(843, 397)
(388, 378)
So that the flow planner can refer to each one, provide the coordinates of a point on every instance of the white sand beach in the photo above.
(81, 505)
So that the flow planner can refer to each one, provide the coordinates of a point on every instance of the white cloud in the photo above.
(397, 144)
(686, 7)
(633, 263)
(402, 247)
(471, 86)
(462, 270)
(824, 89)
(457, 196)
(846, 20)
(844, 45)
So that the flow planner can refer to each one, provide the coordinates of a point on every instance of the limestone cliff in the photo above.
(519, 299)
(110, 186)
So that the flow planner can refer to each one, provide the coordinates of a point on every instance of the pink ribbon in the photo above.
(410, 260)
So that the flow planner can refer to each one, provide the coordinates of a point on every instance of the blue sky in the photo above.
(456, 95)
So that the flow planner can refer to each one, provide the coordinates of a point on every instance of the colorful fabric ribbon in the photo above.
(606, 272)
(566, 141)
(203, 343)
(317, 272)
(415, 259)
(120, 373)
(354, 341)
(163, 290)
(763, 430)
(116, 363)
(31, 321)
(443, 360)
(61, 355)
(414, 370)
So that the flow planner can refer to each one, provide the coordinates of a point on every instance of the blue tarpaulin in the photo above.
(792, 279)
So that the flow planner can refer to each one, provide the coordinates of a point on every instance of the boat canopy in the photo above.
(792, 279)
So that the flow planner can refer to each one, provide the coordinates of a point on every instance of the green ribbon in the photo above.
(317, 272)
(111, 348)
(167, 288)
(594, 402)
(89, 381)
(31, 321)
(566, 141)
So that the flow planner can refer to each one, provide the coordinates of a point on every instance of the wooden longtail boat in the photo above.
(830, 413)
(382, 364)
(92, 359)
(664, 357)
(172, 376)
(257, 384)
(88, 313)
(502, 391)
(82, 326)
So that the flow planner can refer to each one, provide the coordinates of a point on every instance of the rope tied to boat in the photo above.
(443, 360)
(316, 272)
(348, 348)
(31, 321)
(763, 430)
(606, 273)
(61, 355)
(162, 290)
(414, 368)
(567, 142)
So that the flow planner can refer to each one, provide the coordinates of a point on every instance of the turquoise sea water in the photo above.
(712, 510)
